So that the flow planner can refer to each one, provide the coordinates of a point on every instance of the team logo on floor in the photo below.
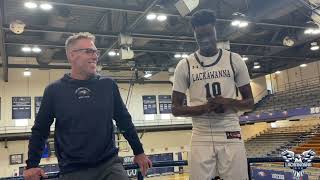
(298, 162)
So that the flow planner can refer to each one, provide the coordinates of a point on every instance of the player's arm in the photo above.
(180, 86)
(246, 103)
(242, 81)
(178, 109)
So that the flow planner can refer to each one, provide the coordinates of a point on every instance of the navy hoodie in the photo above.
(84, 134)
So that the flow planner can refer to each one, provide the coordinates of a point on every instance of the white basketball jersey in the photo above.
(210, 80)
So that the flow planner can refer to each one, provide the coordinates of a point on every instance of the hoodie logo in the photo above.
(83, 93)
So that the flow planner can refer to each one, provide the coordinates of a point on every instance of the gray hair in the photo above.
(75, 37)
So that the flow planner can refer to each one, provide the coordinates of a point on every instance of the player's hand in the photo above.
(221, 103)
(144, 163)
(34, 174)
(210, 106)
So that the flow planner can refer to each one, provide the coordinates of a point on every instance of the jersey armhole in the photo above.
(188, 80)
(234, 74)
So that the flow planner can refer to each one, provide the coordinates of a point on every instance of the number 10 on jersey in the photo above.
(213, 89)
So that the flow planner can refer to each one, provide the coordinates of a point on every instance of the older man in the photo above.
(84, 105)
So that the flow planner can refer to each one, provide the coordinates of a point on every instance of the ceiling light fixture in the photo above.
(147, 74)
(151, 16)
(256, 65)
(46, 6)
(30, 5)
(312, 28)
(243, 24)
(245, 58)
(184, 55)
(314, 46)
(239, 20)
(26, 49)
(161, 17)
(177, 55)
(303, 65)
(27, 72)
(112, 53)
(36, 50)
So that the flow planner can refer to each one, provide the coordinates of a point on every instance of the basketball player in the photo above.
(211, 75)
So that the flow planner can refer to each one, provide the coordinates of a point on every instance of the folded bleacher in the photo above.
(300, 94)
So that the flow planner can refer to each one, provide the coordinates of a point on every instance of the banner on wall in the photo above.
(37, 103)
(21, 107)
(164, 104)
(149, 104)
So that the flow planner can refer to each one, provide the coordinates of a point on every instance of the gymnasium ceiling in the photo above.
(155, 43)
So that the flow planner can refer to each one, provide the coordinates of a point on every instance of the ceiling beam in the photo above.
(105, 67)
(57, 30)
(156, 37)
(171, 50)
(168, 14)
(171, 40)
(95, 7)
(2, 44)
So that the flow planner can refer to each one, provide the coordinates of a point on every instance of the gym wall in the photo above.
(295, 75)
(34, 85)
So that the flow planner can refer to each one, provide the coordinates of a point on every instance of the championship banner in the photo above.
(21, 107)
(149, 104)
(165, 104)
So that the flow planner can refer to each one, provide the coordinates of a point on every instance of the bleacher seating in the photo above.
(312, 143)
(294, 95)
(273, 140)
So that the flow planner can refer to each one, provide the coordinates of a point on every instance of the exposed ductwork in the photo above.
(271, 9)
(315, 16)
(58, 19)
(46, 56)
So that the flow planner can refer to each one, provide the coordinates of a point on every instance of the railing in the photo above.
(138, 123)
(126, 167)
(159, 122)
(17, 129)
(176, 163)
